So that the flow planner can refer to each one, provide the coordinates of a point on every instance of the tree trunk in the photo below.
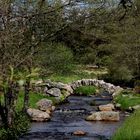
(3, 116)
(10, 98)
(26, 95)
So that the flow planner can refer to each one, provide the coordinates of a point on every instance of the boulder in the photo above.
(108, 107)
(136, 107)
(104, 116)
(117, 91)
(45, 105)
(38, 82)
(55, 92)
(68, 88)
(58, 85)
(37, 115)
(79, 133)
(94, 117)
(49, 111)
(46, 89)
(66, 93)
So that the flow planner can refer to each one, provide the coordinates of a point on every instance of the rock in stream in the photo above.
(70, 117)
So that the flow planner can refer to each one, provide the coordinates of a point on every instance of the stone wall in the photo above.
(98, 83)
(48, 86)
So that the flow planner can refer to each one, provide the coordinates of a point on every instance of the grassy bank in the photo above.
(130, 129)
(80, 72)
(128, 99)
(71, 77)
(34, 98)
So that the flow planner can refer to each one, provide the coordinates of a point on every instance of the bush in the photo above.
(85, 90)
(57, 58)
(120, 75)
(20, 126)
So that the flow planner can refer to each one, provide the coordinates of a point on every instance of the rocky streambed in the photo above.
(68, 121)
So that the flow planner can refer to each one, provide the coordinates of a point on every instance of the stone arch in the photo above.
(68, 89)
(98, 83)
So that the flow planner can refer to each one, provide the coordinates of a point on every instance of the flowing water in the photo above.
(70, 117)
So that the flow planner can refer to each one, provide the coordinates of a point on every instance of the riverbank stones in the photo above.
(54, 92)
(45, 105)
(79, 133)
(104, 116)
(38, 115)
(108, 107)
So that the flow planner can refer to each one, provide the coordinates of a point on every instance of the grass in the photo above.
(63, 78)
(80, 72)
(130, 129)
(128, 99)
(85, 90)
(68, 78)
(34, 98)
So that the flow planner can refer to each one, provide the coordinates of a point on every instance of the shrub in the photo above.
(121, 73)
(85, 90)
(20, 126)
(57, 58)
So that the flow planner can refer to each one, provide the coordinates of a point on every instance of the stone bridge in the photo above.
(94, 82)
(58, 87)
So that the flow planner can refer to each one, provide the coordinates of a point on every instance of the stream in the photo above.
(70, 117)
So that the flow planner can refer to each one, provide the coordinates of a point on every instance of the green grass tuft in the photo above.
(85, 90)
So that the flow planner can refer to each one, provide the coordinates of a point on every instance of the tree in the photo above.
(24, 26)
(56, 58)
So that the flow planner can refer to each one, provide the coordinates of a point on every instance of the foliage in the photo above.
(24, 26)
(106, 38)
(57, 58)
(120, 73)
(128, 99)
(20, 126)
(102, 35)
(130, 129)
(85, 90)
